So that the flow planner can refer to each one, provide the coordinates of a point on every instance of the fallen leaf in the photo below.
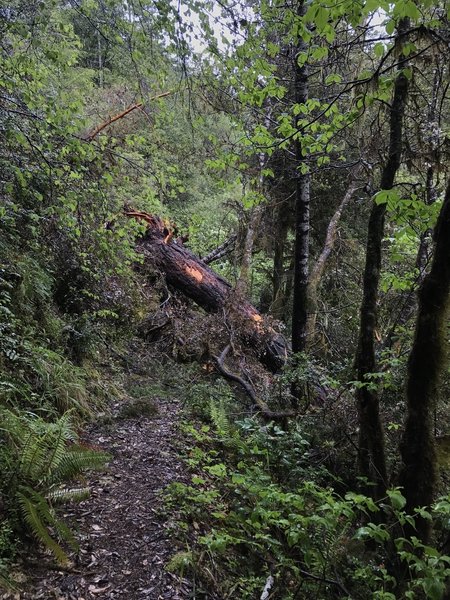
(98, 590)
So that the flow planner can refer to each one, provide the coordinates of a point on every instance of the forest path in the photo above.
(122, 528)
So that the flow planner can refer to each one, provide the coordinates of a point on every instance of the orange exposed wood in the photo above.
(195, 273)
(187, 273)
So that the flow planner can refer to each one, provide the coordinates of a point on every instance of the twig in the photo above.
(334, 582)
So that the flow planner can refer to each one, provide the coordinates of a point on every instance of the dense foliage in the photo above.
(311, 139)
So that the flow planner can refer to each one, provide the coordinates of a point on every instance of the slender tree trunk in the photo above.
(242, 283)
(100, 60)
(319, 266)
(302, 224)
(372, 459)
(302, 198)
(419, 472)
(277, 308)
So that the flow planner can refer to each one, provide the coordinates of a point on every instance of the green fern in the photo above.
(38, 516)
(219, 418)
(43, 458)
(74, 461)
(62, 495)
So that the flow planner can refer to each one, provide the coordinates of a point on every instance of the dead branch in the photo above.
(187, 273)
(120, 115)
(222, 250)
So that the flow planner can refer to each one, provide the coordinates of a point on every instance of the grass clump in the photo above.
(142, 407)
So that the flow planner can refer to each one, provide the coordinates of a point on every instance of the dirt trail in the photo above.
(122, 528)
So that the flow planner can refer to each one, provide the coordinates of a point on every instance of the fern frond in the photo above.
(46, 448)
(6, 582)
(33, 456)
(37, 515)
(77, 460)
(61, 495)
(41, 462)
(219, 418)
(58, 450)
(65, 533)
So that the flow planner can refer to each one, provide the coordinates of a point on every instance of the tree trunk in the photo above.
(188, 274)
(302, 193)
(319, 266)
(419, 472)
(372, 459)
(278, 304)
(424, 251)
(246, 262)
(302, 225)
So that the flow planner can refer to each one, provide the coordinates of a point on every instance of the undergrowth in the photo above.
(44, 398)
(258, 506)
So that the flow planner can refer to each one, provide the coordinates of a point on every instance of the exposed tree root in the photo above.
(248, 388)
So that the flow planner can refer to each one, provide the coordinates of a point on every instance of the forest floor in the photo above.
(123, 529)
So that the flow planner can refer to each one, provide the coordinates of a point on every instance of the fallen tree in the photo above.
(187, 273)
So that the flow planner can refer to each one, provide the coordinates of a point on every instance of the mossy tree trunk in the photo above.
(299, 311)
(302, 216)
(419, 472)
(372, 459)
(409, 305)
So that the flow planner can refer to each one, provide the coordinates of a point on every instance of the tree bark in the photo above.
(419, 472)
(188, 274)
(301, 252)
(246, 262)
(302, 217)
(319, 266)
(372, 459)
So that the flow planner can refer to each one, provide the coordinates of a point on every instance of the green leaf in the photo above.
(379, 49)
(434, 588)
(390, 27)
(321, 17)
(333, 78)
(219, 470)
(198, 480)
(398, 501)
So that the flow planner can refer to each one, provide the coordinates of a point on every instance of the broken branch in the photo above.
(120, 115)
(220, 251)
